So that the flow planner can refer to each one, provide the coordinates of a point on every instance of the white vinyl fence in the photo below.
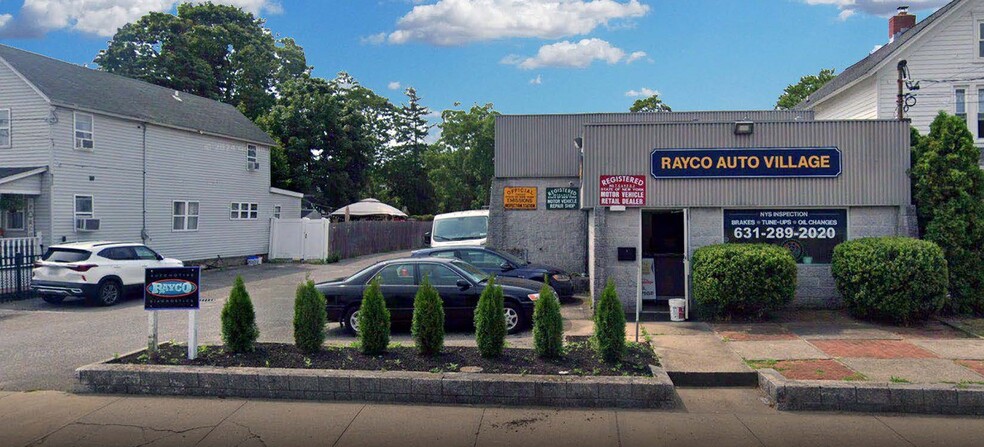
(299, 239)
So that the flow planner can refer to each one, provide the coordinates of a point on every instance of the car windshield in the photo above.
(511, 257)
(473, 272)
(65, 255)
(460, 228)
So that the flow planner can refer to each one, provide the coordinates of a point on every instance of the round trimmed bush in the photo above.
(490, 321)
(742, 280)
(374, 320)
(428, 319)
(310, 318)
(609, 320)
(548, 325)
(895, 279)
(239, 330)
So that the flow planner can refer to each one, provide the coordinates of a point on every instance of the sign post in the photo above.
(152, 332)
(173, 288)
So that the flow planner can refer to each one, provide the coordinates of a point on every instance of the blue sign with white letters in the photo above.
(172, 288)
(746, 162)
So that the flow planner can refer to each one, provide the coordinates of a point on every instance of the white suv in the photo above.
(100, 272)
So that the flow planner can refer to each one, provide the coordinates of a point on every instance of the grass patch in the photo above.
(856, 377)
(896, 379)
(762, 364)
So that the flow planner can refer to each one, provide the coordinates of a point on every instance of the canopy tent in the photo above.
(369, 209)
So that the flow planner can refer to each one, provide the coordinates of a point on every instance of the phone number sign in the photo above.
(810, 235)
(622, 190)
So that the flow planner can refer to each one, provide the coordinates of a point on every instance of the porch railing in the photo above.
(17, 256)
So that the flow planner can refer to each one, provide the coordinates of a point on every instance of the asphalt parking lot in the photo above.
(41, 344)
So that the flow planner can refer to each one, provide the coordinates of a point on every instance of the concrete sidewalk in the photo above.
(732, 417)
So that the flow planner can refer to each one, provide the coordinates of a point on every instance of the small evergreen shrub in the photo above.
(490, 321)
(895, 279)
(609, 320)
(428, 319)
(239, 330)
(310, 318)
(374, 321)
(742, 280)
(548, 326)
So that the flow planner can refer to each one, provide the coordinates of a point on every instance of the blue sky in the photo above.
(535, 56)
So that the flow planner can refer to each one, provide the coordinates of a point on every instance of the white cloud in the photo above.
(569, 54)
(394, 85)
(98, 17)
(537, 80)
(643, 92)
(456, 22)
(375, 39)
(883, 8)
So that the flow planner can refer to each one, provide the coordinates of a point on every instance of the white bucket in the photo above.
(678, 310)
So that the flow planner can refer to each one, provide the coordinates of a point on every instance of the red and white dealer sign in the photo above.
(623, 190)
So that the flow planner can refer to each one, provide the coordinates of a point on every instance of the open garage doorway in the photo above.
(664, 245)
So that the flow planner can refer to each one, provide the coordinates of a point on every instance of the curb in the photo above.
(957, 327)
(714, 379)
(383, 386)
(820, 395)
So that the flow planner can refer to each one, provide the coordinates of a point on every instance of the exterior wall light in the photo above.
(744, 128)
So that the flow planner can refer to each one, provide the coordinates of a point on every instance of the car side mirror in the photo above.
(427, 238)
(463, 285)
(505, 266)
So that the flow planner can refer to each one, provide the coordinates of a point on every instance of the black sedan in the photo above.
(459, 284)
(500, 264)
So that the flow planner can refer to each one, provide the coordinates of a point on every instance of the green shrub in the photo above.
(374, 320)
(490, 321)
(239, 330)
(428, 319)
(333, 257)
(948, 190)
(895, 279)
(609, 320)
(548, 326)
(310, 318)
(742, 280)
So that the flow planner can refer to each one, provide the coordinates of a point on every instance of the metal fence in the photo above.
(17, 256)
(351, 239)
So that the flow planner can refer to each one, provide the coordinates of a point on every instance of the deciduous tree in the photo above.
(796, 93)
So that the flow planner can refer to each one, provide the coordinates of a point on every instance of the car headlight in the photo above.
(561, 277)
(533, 296)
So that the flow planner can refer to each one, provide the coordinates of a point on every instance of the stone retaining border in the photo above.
(382, 386)
(822, 395)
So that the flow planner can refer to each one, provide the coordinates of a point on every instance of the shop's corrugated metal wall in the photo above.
(543, 145)
(875, 158)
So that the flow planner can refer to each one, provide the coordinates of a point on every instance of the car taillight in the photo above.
(533, 296)
(82, 268)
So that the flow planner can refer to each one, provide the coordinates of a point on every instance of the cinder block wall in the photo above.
(612, 230)
(553, 237)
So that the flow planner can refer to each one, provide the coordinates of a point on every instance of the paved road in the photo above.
(729, 417)
(42, 344)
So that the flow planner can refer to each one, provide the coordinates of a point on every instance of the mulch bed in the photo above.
(580, 359)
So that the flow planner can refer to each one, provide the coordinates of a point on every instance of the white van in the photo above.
(460, 228)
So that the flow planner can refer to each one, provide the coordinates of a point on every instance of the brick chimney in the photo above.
(900, 23)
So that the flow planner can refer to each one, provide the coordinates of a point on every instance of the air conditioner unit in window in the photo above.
(252, 165)
(86, 224)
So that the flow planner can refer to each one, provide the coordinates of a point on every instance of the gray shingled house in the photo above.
(88, 155)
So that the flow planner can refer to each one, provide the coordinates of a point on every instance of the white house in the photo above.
(943, 55)
(89, 155)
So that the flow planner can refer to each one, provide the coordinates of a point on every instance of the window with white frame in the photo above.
(244, 211)
(83, 131)
(960, 102)
(980, 113)
(276, 211)
(251, 163)
(83, 207)
(184, 215)
(980, 39)
(4, 127)
(14, 219)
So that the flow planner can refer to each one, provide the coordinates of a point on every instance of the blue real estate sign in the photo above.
(172, 288)
(810, 235)
(746, 162)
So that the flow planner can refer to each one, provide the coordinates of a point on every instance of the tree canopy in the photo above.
(216, 51)
(650, 104)
(796, 93)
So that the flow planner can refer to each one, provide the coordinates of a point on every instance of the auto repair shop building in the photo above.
(629, 196)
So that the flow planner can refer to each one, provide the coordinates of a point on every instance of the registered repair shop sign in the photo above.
(172, 288)
(519, 197)
(563, 199)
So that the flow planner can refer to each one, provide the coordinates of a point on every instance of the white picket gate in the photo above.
(299, 239)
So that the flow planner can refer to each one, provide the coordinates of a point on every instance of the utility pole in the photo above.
(900, 99)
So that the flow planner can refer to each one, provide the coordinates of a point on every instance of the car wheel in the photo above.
(351, 320)
(53, 299)
(109, 293)
(514, 318)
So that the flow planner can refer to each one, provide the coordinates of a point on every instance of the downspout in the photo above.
(143, 226)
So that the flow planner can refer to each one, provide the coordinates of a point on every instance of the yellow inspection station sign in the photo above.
(519, 197)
